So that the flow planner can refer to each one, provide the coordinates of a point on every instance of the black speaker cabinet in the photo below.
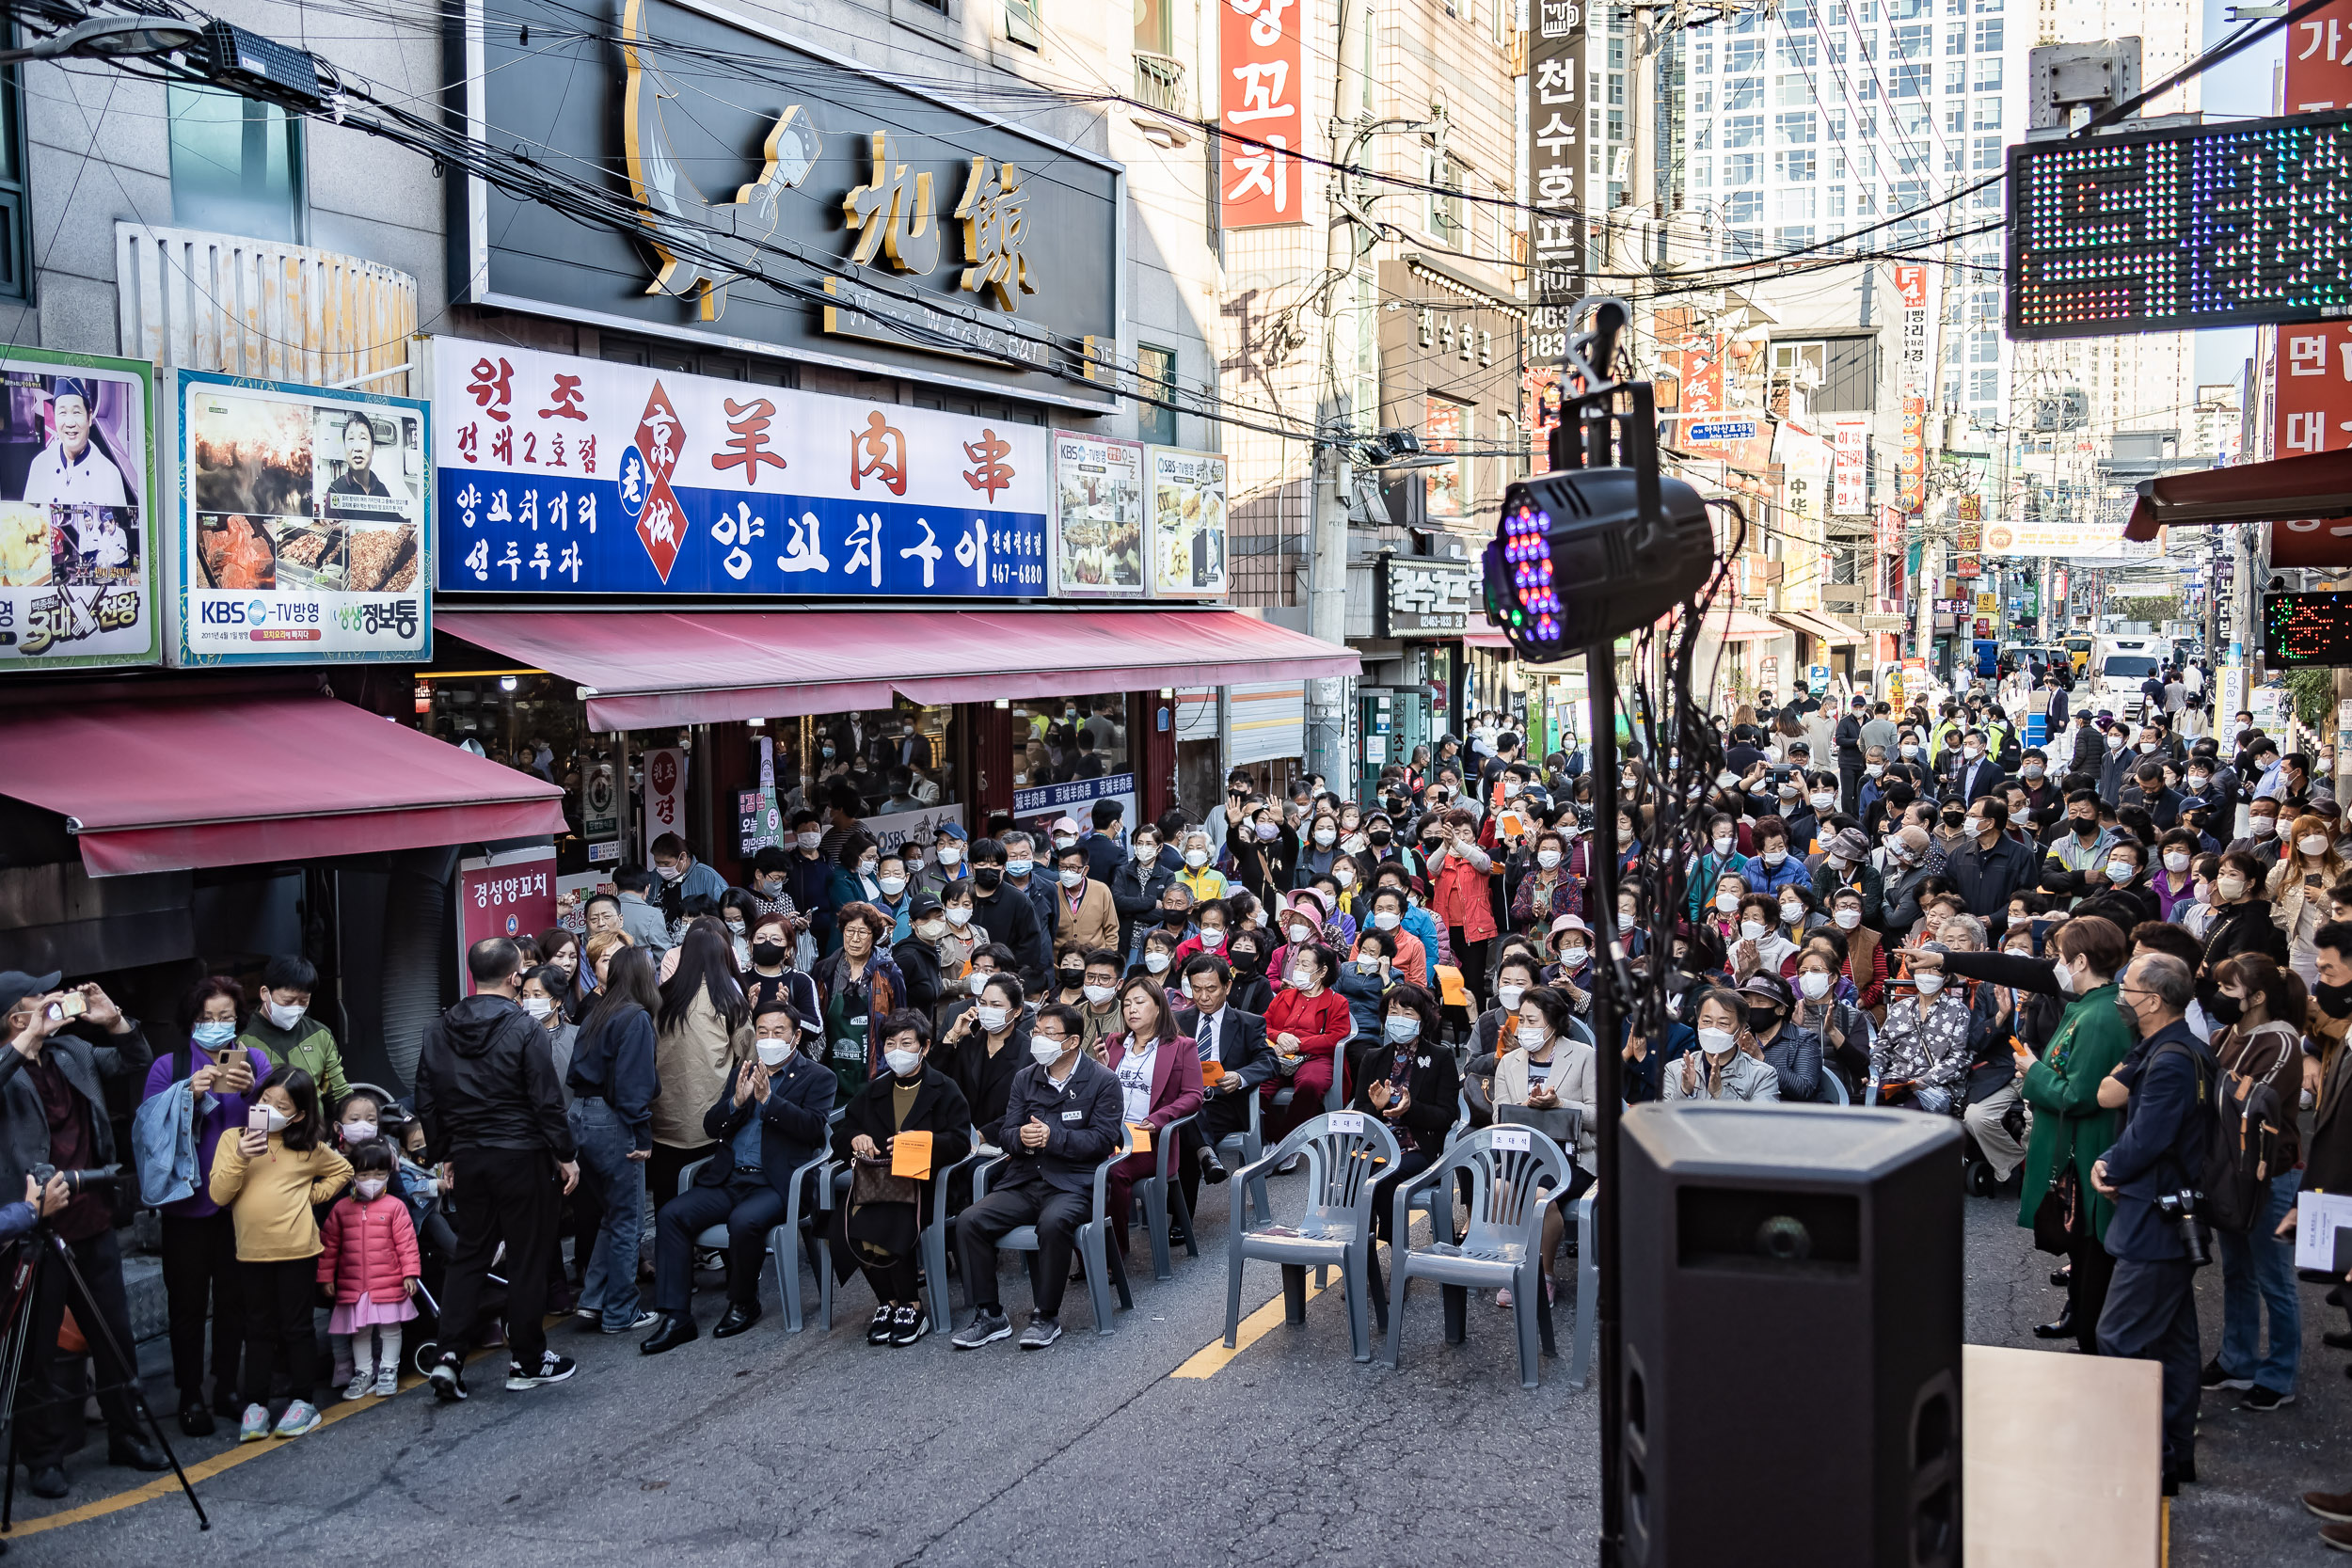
(1791, 1305)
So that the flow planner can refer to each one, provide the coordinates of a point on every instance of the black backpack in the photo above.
(2246, 1152)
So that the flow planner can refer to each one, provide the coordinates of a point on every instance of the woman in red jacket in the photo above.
(1464, 899)
(1159, 1080)
(367, 1270)
(1306, 1026)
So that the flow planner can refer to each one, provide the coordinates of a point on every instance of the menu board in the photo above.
(1187, 523)
(77, 467)
(305, 525)
(1098, 516)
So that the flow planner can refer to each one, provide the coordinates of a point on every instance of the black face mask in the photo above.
(2335, 1001)
(986, 877)
(768, 955)
(1247, 961)
(1380, 835)
(1175, 920)
(2225, 1009)
(2087, 827)
(1763, 1020)
(1073, 978)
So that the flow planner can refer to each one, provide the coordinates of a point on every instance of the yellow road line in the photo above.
(1208, 1361)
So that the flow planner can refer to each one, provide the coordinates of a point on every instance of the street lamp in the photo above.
(110, 37)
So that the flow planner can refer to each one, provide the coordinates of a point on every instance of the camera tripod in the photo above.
(39, 1251)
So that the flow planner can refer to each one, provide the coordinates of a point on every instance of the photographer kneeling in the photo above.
(53, 1112)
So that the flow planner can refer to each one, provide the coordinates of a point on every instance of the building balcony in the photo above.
(1160, 84)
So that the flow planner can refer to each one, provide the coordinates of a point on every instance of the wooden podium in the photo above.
(2060, 1460)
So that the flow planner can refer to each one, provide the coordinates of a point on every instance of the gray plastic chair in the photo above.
(1504, 1246)
(1346, 1151)
(783, 1239)
(1157, 1195)
(1587, 1287)
(1100, 1259)
(1837, 1088)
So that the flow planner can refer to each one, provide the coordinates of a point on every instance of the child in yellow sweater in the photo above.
(269, 1177)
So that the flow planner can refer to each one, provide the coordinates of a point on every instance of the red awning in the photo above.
(1485, 637)
(645, 669)
(169, 785)
(2309, 494)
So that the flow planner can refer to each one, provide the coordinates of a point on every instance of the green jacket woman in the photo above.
(2063, 1089)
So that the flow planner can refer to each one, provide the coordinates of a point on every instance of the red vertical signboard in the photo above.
(1264, 112)
(511, 894)
(2312, 371)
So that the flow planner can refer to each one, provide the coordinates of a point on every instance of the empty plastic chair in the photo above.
(1157, 1195)
(1515, 1172)
(1346, 1151)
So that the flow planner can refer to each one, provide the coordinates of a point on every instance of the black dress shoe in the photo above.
(676, 1330)
(735, 1321)
(134, 1452)
(196, 1417)
(227, 1405)
(1211, 1168)
(2062, 1329)
(49, 1481)
(2337, 1339)
(2062, 1276)
(1178, 1235)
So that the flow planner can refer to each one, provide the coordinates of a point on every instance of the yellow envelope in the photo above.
(911, 1155)
(1142, 1130)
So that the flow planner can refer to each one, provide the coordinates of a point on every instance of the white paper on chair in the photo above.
(1512, 1138)
(2317, 1218)
(1347, 1121)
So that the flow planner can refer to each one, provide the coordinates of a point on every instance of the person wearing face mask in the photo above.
(929, 959)
(986, 1044)
(1825, 1008)
(198, 1238)
(1546, 885)
(877, 1225)
(2299, 885)
(677, 867)
(2262, 839)
(1520, 972)
(1719, 858)
(1974, 775)
(1159, 1072)
(1084, 915)
(368, 1268)
(1774, 866)
(1991, 865)
(1913, 865)
(1720, 1068)
(1846, 864)
(768, 1121)
(1029, 869)
(1920, 1056)
(613, 1081)
(856, 878)
(2080, 848)
(1198, 878)
(1138, 886)
(2172, 882)
(1263, 850)
(282, 1030)
(1008, 914)
(1307, 1024)
(1389, 911)
(1409, 1080)
(948, 864)
(1862, 953)
(1212, 928)
(1791, 1051)
(1235, 1062)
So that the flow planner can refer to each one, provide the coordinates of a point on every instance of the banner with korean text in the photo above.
(560, 475)
(1264, 114)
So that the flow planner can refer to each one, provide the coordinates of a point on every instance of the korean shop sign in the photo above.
(1265, 115)
(558, 475)
(789, 203)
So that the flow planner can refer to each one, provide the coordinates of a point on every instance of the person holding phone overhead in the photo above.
(200, 1238)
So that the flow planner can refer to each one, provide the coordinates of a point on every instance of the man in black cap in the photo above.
(61, 1046)
(917, 957)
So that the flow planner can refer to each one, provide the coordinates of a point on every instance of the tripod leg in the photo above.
(130, 1368)
(19, 1331)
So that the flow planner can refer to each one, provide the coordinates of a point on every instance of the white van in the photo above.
(2118, 664)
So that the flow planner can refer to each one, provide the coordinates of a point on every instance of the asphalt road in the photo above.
(817, 1447)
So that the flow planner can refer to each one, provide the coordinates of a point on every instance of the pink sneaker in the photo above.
(1503, 1298)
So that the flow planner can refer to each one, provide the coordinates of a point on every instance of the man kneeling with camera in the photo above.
(2151, 1173)
(61, 1045)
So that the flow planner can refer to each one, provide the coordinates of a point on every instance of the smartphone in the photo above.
(72, 1004)
(257, 1120)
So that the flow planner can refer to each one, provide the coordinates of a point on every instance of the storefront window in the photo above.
(1068, 753)
(899, 760)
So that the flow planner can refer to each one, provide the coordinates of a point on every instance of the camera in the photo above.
(2180, 1209)
(79, 1181)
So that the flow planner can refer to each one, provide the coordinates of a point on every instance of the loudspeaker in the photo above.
(1792, 1302)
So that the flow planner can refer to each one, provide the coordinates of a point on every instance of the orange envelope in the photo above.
(911, 1155)
(1142, 1130)
(1212, 1074)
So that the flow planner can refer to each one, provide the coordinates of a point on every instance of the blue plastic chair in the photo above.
(1100, 1257)
(1346, 1151)
(1515, 1174)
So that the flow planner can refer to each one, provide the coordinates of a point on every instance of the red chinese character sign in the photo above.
(1912, 372)
(1264, 117)
(564, 475)
(664, 803)
(508, 895)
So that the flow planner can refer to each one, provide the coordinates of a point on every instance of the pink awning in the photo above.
(1485, 637)
(647, 669)
(168, 785)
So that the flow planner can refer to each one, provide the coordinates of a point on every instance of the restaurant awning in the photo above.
(2310, 495)
(1836, 634)
(647, 669)
(163, 786)
(1491, 637)
(1727, 625)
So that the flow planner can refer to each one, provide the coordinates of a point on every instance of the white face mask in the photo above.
(2230, 888)
(285, 1018)
(277, 1119)
(1726, 901)
(2311, 843)
(1751, 929)
(903, 1063)
(1930, 983)
(1074, 879)
(892, 886)
(1387, 919)
(2176, 860)
(357, 1132)
(1873, 769)
(1213, 937)
(1726, 781)
(1196, 858)
(1792, 914)
(1723, 844)
(2263, 827)
(1847, 919)
(1774, 857)
(1972, 753)
(1064, 841)
(736, 927)
(370, 1188)
(1507, 997)
(1911, 754)
(931, 930)
(1718, 1043)
(991, 1018)
(1823, 800)
(1097, 995)
(1532, 1037)
(1302, 977)
(1045, 1052)
(774, 1053)
(808, 841)
(2122, 871)
(538, 1007)
(1155, 962)
(950, 854)
(1573, 958)
(2063, 974)
(2147, 746)
(1546, 858)
(958, 917)
(1813, 985)
(1324, 836)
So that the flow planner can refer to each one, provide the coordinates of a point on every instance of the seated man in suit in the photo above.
(1233, 1039)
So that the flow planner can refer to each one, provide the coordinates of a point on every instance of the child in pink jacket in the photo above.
(368, 1273)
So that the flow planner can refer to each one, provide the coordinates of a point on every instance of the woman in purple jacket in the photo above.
(200, 1240)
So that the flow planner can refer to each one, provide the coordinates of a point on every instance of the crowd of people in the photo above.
(2096, 953)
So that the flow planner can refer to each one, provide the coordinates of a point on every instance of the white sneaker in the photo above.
(362, 1384)
(387, 1380)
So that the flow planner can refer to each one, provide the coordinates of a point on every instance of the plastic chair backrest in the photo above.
(1346, 1152)
(1505, 1181)
(1837, 1088)
(1579, 1029)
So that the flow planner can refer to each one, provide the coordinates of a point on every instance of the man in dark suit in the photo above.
(2150, 1311)
(1061, 1119)
(1233, 1039)
(1974, 774)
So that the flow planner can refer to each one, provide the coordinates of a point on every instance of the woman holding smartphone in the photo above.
(200, 1238)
